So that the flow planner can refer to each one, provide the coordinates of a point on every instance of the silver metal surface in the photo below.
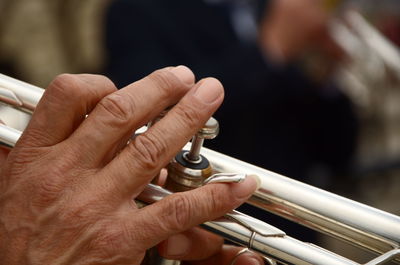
(254, 224)
(276, 244)
(225, 177)
(209, 131)
(320, 210)
(246, 250)
(351, 221)
(187, 177)
(18, 100)
(8, 97)
(23, 95)
(383, 259)
(9, 136)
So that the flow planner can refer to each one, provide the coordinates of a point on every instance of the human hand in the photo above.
(291, 26)
(199, 247)
(66, 188)
(3, 155)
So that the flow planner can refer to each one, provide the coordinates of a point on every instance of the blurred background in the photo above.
(312, 86)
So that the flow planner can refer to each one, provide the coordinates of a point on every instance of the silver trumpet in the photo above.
(356, 223)
(370, 76)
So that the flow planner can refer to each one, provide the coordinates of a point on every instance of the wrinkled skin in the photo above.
(66, 189)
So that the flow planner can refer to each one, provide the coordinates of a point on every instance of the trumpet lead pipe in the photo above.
(271, 243)
(21, 95)
(8, 136)
(356, 223)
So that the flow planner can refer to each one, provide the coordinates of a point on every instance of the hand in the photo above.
(199, 247)
(3, 154)
(291, 26)
(66, 188)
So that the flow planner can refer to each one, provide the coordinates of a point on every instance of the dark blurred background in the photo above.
(312, 86)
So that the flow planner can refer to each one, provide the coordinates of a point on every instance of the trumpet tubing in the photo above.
(359, 224)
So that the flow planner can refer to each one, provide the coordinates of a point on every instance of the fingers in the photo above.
(119, 114)
(199, 247)
(148, 153)
(194, 244)
(63, 107)
(184, 210)
(228, 256)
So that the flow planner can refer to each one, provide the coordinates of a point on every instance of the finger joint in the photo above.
(118, 107)
(147, 150)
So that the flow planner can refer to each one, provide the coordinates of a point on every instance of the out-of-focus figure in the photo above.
(284, 109)
(273, 115)
(43, 38)
(371, 77)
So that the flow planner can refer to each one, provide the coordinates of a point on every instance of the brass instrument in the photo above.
(359, 224)
(371, 78)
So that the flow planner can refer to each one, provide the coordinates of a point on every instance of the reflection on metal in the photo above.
(323, 211)
(371, 78)
(225, 178)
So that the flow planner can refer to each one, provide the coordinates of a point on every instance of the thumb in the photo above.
(181, 211)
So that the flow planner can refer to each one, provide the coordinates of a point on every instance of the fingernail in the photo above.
(184, 74)
(178, 245)
(209, 90)
(246, 188)
(257, 179)
(247, 259)
(253, 261)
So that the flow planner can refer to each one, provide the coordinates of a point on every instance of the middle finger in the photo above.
(193, 244)
(120, 113)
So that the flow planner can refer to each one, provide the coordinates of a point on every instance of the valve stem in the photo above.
(209, 131)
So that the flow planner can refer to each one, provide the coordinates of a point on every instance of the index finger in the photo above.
(119, 114)
(229, 256)
(193, 244)
(144, 157)
(64, 105)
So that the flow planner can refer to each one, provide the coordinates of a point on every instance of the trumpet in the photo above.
(348, 220)
(370, 77)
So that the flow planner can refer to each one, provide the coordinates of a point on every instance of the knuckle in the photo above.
(147, 149)
(100, 79)
(23, 158)
(97, 83)
(71, 86)
(189, 116)
(117, 107)
(180, 209)
(33, 136)
(65, 86)
(218, 201)
(114, 235)
(166, 82)
(75, 213)
(109, 240)
(82, 209)
(48, 190)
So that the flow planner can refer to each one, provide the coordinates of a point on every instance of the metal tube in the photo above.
(354, 222)
(28, 95)
(8, 136)
(279, 247)
(320, 210)
(383, 259)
